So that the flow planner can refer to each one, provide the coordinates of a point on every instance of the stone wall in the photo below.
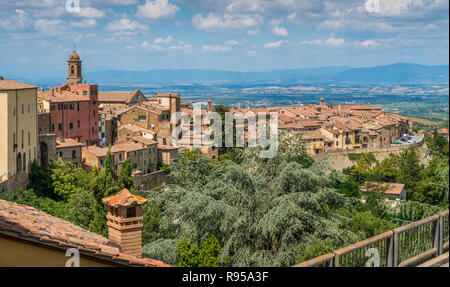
(144, 182)
(46, 149)
(14, 183)
(44, 123)
(340, 160)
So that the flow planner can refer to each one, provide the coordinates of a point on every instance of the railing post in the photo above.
(336, 259)
(436, 232)
(441, 232)
(395, 250)
(390, 251)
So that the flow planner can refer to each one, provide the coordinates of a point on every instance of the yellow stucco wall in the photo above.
(13, 122)
(15, 253)
(3, 137)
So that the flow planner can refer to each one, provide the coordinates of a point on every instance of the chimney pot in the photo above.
(124, 220)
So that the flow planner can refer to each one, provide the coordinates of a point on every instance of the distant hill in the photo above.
(396, 73)
(401, 73)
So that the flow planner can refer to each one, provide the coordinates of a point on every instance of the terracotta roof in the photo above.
(26, 223)
(56, 96)
(126, 146)
(312, 135)
(98, 151)
(156, 106)
(117, 96)
(124, 198)
(143, 140)
(365, 108)
(14, 85)
(390, 188)
(66, 142)
(135, 128)
(166, 147)
(74, 56)
(167, 95)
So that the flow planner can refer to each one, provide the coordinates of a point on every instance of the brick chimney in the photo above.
(124, 220)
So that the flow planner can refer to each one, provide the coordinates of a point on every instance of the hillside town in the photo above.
(77, 123)
(101, 132)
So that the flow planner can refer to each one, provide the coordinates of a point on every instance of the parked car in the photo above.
(403, 139)
(396, 142)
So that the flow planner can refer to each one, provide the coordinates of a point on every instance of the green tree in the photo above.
(125, 179)
(40, 180)
(410, 170)
(361, 171)
(187, 254)
(152, 216)
(350, 188)
(314, 248)
(365, 224)
(81, 208)
(259, 210)
(98, 224)
(65, 179)
(210, 252)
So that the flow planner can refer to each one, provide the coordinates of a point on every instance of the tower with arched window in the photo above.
(74, 75)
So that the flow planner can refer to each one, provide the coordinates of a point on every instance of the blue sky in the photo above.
(242, 35)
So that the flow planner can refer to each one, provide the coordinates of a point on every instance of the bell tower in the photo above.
(74, 69)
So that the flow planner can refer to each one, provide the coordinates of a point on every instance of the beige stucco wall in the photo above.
(16, 253)
(11, 103)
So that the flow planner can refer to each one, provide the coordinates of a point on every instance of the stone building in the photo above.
(121, 99)
(69, 150)
(18, 132)
(73, 106)
(143, 157)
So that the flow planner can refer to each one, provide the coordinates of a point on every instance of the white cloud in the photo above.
(166, 44)
(280, 31)
(183, 47)
(125, 24)
(254, 32)
(214, 22)
(216, 48)
(334, 42)
(167, 40)
(275, 45)
(157, 9)
(85, 23)
(152, 46)
(89, 12)
(54, 27)
(16, 21)
(232, 43)
(367, 43)
(339, 42)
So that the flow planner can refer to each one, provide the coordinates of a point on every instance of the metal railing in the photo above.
(404, 246)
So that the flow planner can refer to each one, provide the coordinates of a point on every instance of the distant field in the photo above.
(426, 122)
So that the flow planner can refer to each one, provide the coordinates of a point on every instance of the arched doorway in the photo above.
(19, 163)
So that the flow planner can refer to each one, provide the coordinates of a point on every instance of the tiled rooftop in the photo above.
(386, 187)
(14, 85)
(26, 223)
(124, 198)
